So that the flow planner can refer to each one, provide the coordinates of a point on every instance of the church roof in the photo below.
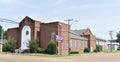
(97, 38)
(78, 34)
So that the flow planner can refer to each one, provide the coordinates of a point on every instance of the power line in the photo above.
(8, 21)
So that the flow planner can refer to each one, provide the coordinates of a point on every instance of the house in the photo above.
(30, 29)
(112, 45)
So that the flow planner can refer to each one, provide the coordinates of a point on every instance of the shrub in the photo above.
(98, 48)
(33, 46)
(118, 49)
(10, 46)
(74, 52)
(13, 45)
(6, 47)
(39, 50)
(87, 50)
(95, 50)
(52, 47)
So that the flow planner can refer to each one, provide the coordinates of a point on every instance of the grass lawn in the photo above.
(57, 55)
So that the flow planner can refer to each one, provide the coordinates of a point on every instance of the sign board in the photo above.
(59, 37)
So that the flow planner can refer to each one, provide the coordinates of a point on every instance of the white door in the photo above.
(26, 36)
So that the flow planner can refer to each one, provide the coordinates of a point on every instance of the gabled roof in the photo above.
(97, 38)
(78, 34)
(28, 18)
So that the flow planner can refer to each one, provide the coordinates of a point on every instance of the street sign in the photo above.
(59, 37)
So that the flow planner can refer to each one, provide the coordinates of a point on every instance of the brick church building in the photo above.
(30, 29)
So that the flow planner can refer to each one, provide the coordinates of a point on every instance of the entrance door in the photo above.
(26, 36)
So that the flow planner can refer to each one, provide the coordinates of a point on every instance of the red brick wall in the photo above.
(45, 33)
(63, 28)
(92, 42)
(59, 29)
(78, 44)
(37, 30)
(91, 39)
(12, 33)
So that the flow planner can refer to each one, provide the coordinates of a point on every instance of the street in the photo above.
(99, 57)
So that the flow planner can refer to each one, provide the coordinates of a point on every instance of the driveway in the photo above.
(99, 57)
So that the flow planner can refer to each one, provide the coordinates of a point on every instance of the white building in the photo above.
(1, 44)
(112, 45)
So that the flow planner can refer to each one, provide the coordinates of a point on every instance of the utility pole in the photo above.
(69, 26)
(111, 33)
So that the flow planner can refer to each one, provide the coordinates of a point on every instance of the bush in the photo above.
(33, 46)
(10, 46)
(118, 49)
(87, 50)
(39, 50)
(95, 50)
(98, 48)
(52, 47)
(74, 52)
(6, 47)
(13, 45)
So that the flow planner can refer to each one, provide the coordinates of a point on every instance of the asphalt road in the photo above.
(100, 57)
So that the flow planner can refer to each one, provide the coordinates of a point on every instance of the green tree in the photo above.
(118, 39)
(1, 31)
(5, 35)
(52, 47)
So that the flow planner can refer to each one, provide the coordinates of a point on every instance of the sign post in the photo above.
(59, 39)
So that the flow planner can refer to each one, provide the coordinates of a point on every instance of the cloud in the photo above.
(7, 1)
(59, 2)
(92, 6)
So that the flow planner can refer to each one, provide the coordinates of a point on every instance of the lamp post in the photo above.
(69, 28)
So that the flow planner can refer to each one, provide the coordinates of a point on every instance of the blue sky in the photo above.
(100, 16)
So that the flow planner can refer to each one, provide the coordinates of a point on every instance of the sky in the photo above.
(101, 16)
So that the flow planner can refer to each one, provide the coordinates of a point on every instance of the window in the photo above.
(27, 32)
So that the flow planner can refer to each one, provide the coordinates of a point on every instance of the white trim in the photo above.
(25, 38)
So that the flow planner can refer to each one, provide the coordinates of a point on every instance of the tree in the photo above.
(1, 31)
(52, 47)
(5, 35)
(118, 39)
